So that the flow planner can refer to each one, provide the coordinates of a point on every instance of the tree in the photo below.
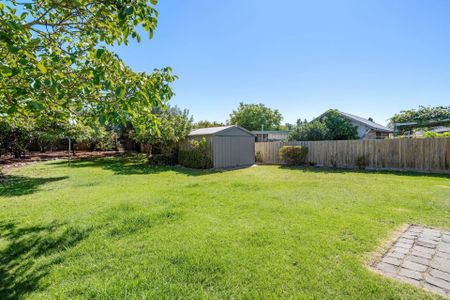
(14, 138)
(339, 127)
(207, 124)
(54, 61)
(256, 117)
(329, 126)
(422, 114)
(174, 125)
(313, 131)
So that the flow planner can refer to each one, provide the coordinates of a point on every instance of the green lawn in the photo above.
(118, 229)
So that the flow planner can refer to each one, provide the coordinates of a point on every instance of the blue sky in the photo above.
(369, 58)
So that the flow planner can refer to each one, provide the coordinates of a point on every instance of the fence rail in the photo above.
(424, 155)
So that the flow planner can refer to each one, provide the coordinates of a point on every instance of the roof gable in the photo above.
(222, 130)
(366, 122)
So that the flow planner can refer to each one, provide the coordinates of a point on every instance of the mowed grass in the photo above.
(116, 228)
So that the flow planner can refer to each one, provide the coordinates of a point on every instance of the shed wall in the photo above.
(233, 151)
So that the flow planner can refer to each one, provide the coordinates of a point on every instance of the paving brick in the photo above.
(427, 245)
(408, 280)
(410, 274)
(414, 266)
(444, 248)
(419, 260)
(424, 249)
(400, 250)
(408, 236)
(429, 241)
(405, 241)
(392, 261)
(440, 274)
(387, 268)
(403, 245)
(443, 255)
(440, 267)
(421, 254)
(415, 229)
(396, 255)
(443, 284)
(431, 232)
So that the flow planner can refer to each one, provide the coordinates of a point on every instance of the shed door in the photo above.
(233, 151)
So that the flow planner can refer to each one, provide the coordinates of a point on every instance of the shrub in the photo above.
(294, 155)
(197, 156)
(361, 162)
(258, 157)
(313, 131)
(432, 134)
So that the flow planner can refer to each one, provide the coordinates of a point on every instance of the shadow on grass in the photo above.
(13, 185)
(131, 165)
(29, 254)
(326, 170)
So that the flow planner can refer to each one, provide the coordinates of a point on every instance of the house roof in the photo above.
(271, 131)
(366, 122)
(216, 130)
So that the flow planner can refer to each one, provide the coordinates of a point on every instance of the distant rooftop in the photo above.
(270, 131)
(367, 122)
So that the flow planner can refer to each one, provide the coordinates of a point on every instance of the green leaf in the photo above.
(36, 84)
(154, 2)
(36, 105)
(5, 70)
(129, 10)
(99, 53)
(41, 68)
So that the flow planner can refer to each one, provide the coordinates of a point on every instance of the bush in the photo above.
(294, 155)
(313, 131)
(197, 156)
(432, 134)
(258, 157)
(361, 162)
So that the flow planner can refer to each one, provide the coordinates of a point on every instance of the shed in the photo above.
(230, 146)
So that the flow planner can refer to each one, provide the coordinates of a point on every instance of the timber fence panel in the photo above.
(423, 155)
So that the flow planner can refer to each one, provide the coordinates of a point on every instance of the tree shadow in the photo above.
(14, 185)
(132, 165)
(29, 254)
(326, 170)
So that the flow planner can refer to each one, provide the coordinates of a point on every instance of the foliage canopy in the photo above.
(255, 117)
(331, 125)
(55, 62)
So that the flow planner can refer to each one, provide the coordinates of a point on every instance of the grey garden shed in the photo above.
(230, 146)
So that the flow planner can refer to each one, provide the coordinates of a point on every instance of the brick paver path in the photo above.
(420, 256)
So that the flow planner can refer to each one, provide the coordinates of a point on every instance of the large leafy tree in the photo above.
(54, 61)
(329, 126)
(256, 117)
(313, 131)
(422, 114)
(174, 124)
(207, 124)
(340, 128)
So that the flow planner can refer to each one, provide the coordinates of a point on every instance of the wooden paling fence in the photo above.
(424, 155)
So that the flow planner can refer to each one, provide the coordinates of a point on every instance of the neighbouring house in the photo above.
(230, 146)
(438, 129)
(368, 129)
(271, 135)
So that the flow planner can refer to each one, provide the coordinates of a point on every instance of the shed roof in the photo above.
(216, 130)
